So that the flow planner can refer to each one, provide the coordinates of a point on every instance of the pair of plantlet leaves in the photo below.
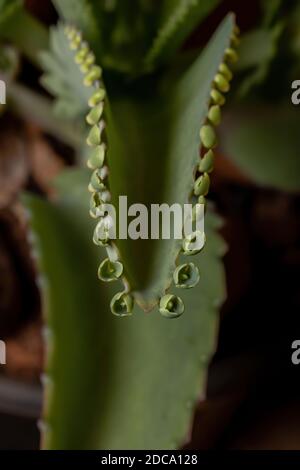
(131, 383)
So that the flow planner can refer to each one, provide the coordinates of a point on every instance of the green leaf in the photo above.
(8, 9)
(79, 13)
(153, 151)
(295, 34)
(116, 383)
(263, 141)
(63, 77)
(120, 32)
(9, 63)
(178, 19)
(257, 50)
(22, 29)
(271, 9)
(38, 109)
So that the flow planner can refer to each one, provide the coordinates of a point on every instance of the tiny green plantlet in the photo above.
(188, 245)
(206, 164)
(171, 306)
(186, 276)
(121, 304)
(112, 269)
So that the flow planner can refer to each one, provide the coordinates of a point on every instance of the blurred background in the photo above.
(253, 389)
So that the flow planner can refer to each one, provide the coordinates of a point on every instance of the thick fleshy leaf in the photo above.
(153, 151)
(131, 383)
(263, 141)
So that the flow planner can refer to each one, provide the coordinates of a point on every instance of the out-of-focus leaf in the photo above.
(178, 19)
(35, 108)
(9, 62)
(264, 143)
(23, 30)
(256, 53)
(63, 77)
(131, 383)
(79, 13)
(8, 9)
(153, 136)
(256, 47)
(133, 36)
(295, 36)
(120, 32)
(270, 10)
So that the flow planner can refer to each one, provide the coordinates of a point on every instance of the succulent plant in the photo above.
(151, 136)
(145, 116)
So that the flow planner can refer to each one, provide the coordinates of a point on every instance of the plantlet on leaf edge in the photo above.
(170, 305)
(111, 269)
(208, 139)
